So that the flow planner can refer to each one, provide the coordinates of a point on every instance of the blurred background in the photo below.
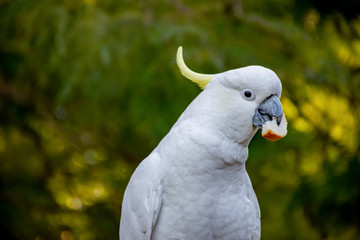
(88, 88)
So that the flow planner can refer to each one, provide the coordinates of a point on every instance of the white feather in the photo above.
(194, 184)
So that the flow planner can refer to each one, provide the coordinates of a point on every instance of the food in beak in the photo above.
(272, 131)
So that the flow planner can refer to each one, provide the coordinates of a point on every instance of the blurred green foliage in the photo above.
(88, 88)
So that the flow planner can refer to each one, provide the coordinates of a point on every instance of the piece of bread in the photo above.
(272, 131)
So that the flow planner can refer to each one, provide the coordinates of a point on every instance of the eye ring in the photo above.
(248, 94)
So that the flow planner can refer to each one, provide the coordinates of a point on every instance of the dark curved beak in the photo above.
(267, 110)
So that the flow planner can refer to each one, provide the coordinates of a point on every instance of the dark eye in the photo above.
(248, 94)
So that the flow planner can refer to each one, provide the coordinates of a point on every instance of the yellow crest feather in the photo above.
(201, 79)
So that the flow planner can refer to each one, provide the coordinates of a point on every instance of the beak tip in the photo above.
(279, 119)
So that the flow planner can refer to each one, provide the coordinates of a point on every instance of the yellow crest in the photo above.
(201, 79)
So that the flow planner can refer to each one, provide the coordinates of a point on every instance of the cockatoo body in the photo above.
(194, 184)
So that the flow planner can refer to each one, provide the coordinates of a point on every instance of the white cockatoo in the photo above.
(194, 184)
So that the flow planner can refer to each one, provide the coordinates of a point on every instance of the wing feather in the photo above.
(142, 202)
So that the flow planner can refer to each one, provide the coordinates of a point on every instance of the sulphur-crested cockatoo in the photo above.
(194, 184)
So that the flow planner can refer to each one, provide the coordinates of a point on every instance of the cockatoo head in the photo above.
(240, 101)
